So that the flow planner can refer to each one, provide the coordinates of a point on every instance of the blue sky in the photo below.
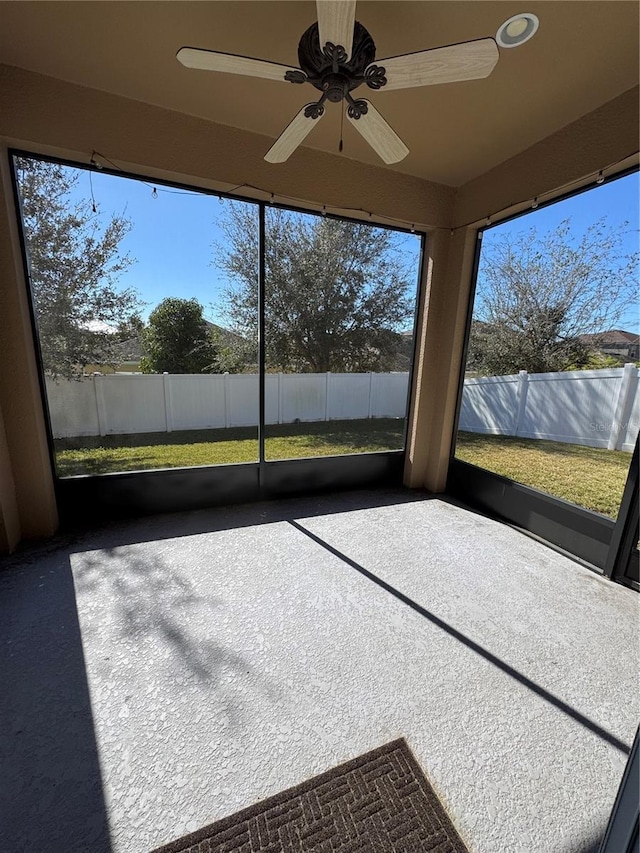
(172, 238)
(173, 234)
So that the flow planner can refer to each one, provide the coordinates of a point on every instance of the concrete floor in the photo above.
(163, 673)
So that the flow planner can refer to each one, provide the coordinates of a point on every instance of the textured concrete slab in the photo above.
(167, 672)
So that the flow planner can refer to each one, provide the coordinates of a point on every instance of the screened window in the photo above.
(551, 396)
(148, 302)
(141, 371)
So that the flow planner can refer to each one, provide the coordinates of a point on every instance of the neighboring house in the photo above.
(617, 343)
(128, 354)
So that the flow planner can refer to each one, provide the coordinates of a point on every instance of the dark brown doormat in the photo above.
(380, 802)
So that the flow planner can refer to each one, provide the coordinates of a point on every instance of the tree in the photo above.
(336, 291)
(538, 294)
(75, 264)
(177, 339)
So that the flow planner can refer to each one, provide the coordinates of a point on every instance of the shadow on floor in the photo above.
(589, 724)
(143, 598)
(591, 844)
(51, 793)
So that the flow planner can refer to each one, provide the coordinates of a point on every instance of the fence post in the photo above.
(623, 407)
(168, 416)
(521, 400)
(280, 398)
(101, 408)
(370, 393)
(226, 396)
(326, 396)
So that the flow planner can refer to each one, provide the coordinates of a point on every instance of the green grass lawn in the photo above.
(588, 476)
(108, 454)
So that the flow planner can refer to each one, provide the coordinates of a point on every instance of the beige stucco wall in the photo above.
(49, 116)
(606, 138)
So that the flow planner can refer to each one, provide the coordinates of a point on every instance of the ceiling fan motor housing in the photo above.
(328, 69)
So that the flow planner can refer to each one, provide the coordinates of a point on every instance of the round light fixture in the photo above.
(517, 30)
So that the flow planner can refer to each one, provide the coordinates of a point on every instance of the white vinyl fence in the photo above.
(133, 403)
(598, 408)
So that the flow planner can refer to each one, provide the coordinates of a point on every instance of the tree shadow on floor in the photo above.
(51, 790)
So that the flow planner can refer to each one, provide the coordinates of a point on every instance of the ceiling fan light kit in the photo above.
(337, 55)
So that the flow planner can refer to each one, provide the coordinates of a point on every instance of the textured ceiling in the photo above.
(584, 54)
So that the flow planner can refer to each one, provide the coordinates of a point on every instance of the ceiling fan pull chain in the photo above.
(341, 145)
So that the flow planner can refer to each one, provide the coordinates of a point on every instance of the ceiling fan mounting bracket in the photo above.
(295, 76)
(358, 107)
(314, 110)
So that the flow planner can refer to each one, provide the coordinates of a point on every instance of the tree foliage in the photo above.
(538, 293)
(337, 292)
(178, 340)
(235, 353)
(75, 264)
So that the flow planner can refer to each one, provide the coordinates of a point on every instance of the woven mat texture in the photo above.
(380, 802)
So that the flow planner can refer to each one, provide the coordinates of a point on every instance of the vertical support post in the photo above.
(628, 381)
(446, 277)
(261, 329)
(521, 400)
(280, 392)
(327, 386)
(100, 405)
(226, 395)
(370, 393)
(168, 414)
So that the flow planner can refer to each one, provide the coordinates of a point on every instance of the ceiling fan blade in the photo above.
(291, 137)
(212, 60)
(336, 19)
(470, 60)
(379, 134)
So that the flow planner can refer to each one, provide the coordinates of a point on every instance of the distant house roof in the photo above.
(129, 349)
(615, 336)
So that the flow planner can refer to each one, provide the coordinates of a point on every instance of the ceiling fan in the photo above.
(336, 56)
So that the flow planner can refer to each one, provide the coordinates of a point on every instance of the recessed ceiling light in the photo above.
(517, 30)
